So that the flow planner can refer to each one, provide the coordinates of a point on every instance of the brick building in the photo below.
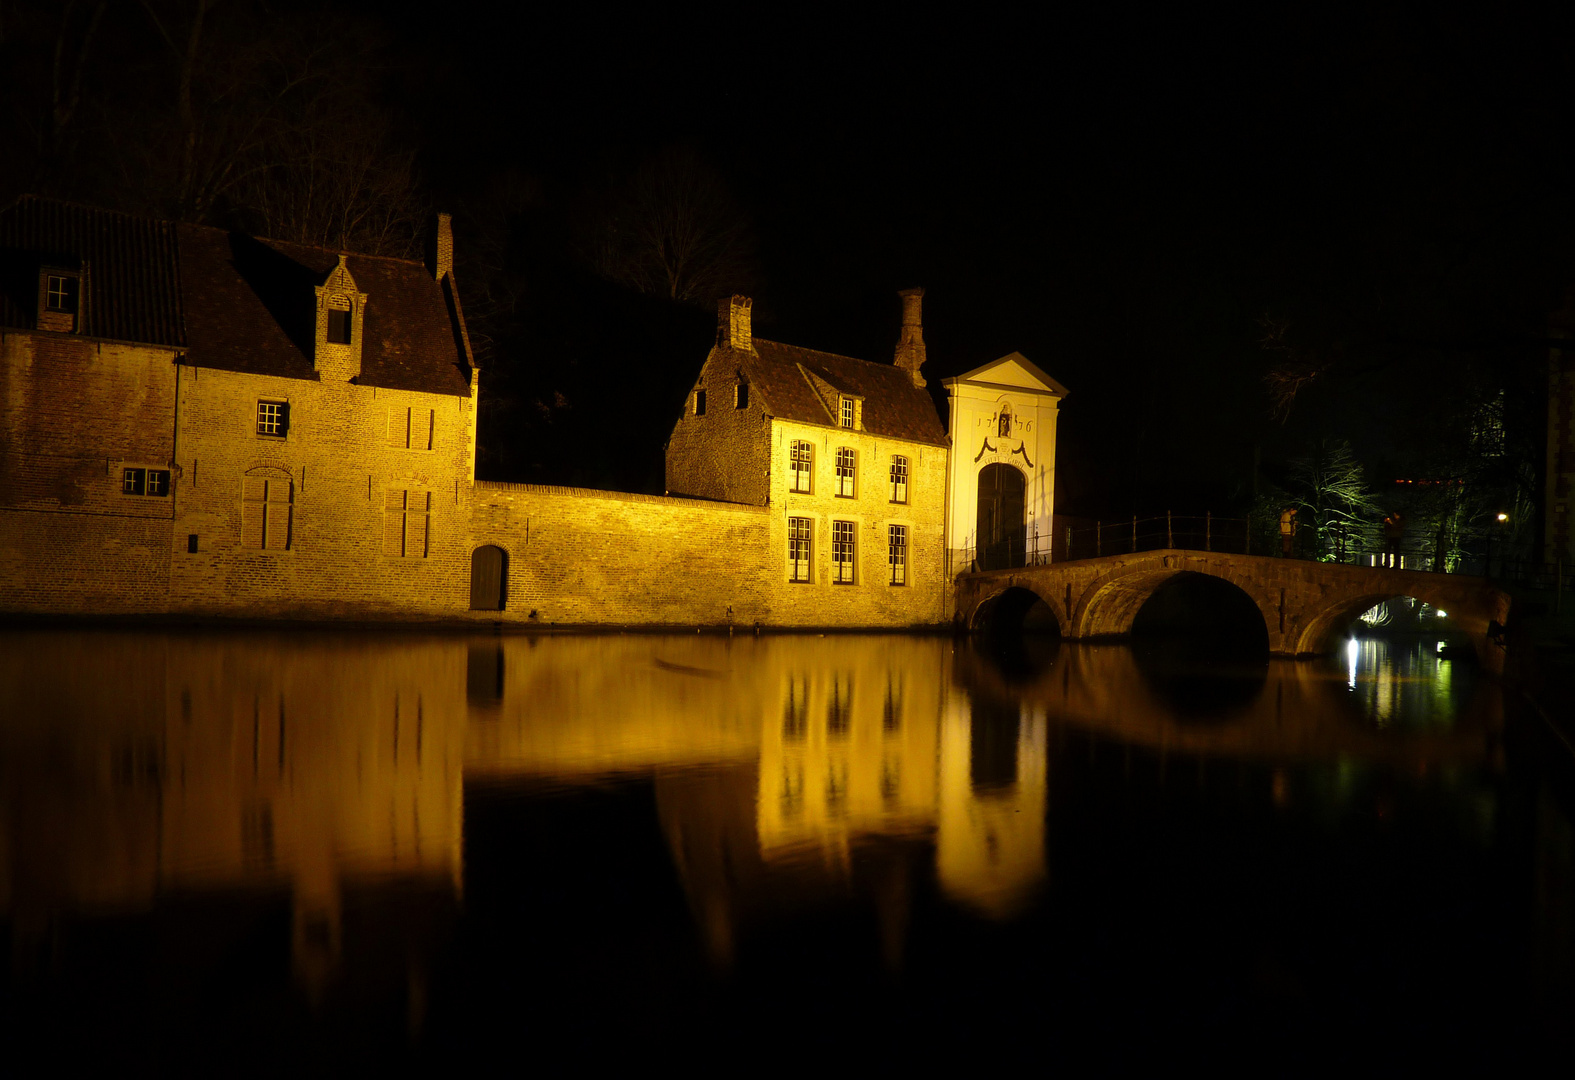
(202, 422)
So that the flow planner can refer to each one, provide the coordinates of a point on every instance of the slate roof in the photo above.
(130, 267)
(229, 300)
(893, 406)
(251, 306)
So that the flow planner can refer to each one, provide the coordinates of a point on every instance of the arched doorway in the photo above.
(1001, 542)
(488, 579)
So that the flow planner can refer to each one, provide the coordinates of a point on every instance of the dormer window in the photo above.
(339, 326)
(848, 412)
(59, 301)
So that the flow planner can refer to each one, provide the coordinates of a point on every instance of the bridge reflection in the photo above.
(788, 772)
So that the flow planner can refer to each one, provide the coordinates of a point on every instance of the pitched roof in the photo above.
(129, 266)
(1012, 370)
(893, 406)
(231, 301)
(251, 306)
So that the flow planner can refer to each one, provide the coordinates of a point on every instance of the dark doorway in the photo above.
(1001, 535)
(488, 567)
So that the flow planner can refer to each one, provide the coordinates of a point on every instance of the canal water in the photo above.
(252, 852)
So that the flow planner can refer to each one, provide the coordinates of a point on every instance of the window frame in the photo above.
(847, 474)
(75, 307)
(844, 553)
(899, 477)
(138, 488)
(847, 414)
(280, 421)
(801, 550)
(801, 467)
(897, 554)
(348, 317)
(699, 401)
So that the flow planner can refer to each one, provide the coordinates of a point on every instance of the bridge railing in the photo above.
(1131, 535)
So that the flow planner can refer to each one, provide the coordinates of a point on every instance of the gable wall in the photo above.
(722, 454)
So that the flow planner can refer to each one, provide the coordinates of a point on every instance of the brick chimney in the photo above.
(443, 247)
(733, 329)
(910, 343)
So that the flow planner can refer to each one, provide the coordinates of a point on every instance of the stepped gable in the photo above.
(893, 406)
(251, 306)
(131, 279)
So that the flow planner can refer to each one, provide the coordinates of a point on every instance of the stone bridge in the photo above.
(1304, 604)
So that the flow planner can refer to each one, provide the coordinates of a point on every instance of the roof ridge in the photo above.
(821, 352)
(28, 196)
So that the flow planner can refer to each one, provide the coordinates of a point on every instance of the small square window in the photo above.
(61, 293)
(273, 418)
(338, 326)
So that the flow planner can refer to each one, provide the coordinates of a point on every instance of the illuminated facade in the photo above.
(202, 423)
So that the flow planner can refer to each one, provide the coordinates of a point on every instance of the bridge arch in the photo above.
(1015, 609)
(1109, 606)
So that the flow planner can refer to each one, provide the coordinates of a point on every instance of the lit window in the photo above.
(265, 513)
(899, 479)
(798, 549)
(842, 553)
(338, 326)
(741, 398)
(801, 461)
(61, 293)
(406, 524)
(847, 412)
(699, 402)
(897, 553)
(847, 467)
(155, 482)
(273, 418)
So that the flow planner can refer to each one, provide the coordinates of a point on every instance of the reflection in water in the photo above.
(790, 775)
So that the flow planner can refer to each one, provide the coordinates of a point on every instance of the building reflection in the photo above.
(788, 772)
(293, 768)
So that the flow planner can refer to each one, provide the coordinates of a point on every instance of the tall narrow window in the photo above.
(741, 396)
(899, 479)
(897, 553)
(699, 402)
(1004, 422)
(842, 552)
(848, 412)
(799, 548)
(406, 518)
(801, 460)
(847, 467)
(265, 513)
(273, 418)
(339, 326)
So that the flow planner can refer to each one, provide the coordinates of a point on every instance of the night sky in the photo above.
(1127, 198)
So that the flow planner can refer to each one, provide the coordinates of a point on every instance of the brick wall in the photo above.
(722, 454)
(74, 413)
(343, 462)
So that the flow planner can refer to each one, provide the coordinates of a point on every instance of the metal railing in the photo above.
(1131, 535)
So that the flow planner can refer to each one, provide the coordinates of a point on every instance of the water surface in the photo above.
(254, 851)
